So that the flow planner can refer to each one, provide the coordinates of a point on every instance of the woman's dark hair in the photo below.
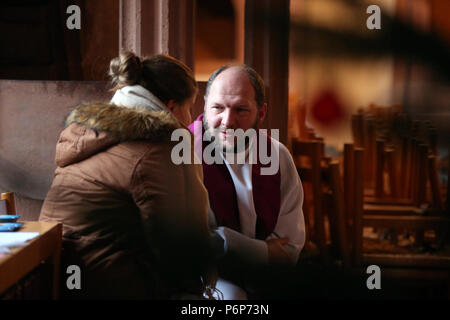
(164, 76)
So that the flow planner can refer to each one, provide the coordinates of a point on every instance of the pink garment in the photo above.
(223, 198)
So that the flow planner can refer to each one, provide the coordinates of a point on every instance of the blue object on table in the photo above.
(8, 227)
(8, 218)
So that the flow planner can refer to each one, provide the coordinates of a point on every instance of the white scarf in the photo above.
(137, 96)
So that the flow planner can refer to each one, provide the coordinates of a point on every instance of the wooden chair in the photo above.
(405, 264)
(324, 204)
(374, 208)
(400, 161)
(448, 183)
(337, 215)
(7, 203)
(400, 164)
(308, 158)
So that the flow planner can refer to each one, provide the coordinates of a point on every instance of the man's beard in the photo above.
(214, 135)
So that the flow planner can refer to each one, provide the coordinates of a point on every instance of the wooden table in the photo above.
(22, 260)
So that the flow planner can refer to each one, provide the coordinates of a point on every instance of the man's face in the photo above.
(231, 105)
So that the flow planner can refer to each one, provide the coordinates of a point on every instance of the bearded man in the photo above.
(255, 213)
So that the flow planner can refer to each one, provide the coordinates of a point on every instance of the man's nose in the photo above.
(228, 119)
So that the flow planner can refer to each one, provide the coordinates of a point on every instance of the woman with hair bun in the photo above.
(133, 221)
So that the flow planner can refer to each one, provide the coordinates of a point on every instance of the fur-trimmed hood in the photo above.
(92, 128)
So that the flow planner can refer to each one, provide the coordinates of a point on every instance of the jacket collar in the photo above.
(90, 129)
(125, 123)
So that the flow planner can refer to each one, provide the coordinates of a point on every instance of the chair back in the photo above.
(7, 203)
(308, 157)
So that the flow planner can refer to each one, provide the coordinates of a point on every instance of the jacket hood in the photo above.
(92, 128)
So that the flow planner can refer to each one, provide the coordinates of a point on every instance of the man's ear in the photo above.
(171, 105)
(204, 104)
(262, 113)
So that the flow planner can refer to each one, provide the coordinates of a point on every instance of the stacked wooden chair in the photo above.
(396, 262)
(400, 161)
(308, 158)
(384, 216)
(391, 183)
(324, 201)
(400, 164)
(386, 184)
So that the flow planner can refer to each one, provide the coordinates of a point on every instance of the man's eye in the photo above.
(217, 107)
(242, 110)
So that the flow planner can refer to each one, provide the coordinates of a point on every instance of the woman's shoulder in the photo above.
(127, 124)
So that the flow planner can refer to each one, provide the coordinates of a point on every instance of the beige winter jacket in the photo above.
(134, 222)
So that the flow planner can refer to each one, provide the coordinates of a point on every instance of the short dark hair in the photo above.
(255, 79)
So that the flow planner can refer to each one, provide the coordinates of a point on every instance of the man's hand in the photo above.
(277, 253)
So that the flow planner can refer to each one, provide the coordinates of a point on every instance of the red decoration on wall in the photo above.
(327, 109)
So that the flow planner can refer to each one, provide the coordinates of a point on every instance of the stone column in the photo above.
(149, 27)
(267, 51)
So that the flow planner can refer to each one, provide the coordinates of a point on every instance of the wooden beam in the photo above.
(404, 222)
(386, 209)
(266, 50)
(410, 260)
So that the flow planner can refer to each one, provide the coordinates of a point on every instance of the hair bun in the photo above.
(126, 69)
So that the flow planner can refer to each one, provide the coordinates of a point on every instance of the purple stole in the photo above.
(223, 198)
